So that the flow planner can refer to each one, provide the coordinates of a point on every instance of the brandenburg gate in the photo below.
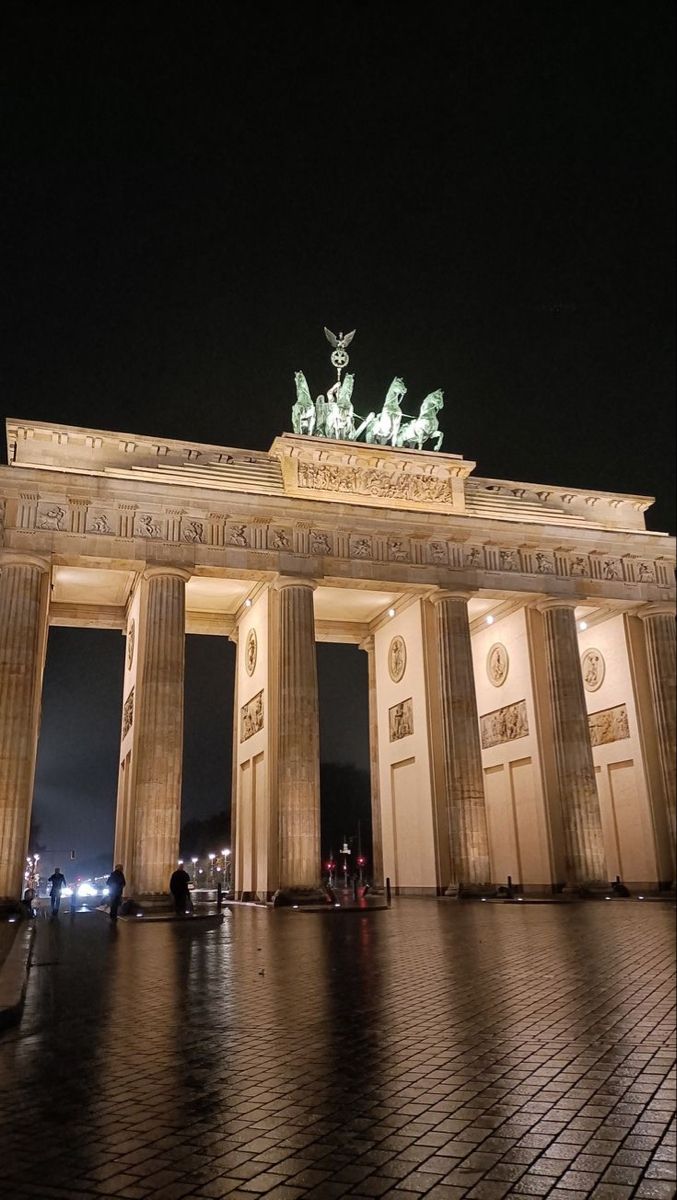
(520, 641)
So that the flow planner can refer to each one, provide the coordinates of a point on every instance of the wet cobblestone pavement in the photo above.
(434, 1050)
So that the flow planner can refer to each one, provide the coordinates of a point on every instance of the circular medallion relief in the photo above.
(397, 659)
(251, 648)
(593, 667)
(497, 664)
(131, 638)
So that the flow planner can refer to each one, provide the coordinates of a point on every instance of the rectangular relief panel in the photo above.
(504, 724)
(401, 720)
(251, 717)
(609, 725)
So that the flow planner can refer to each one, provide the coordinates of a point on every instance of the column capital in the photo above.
(548, 603)
(449, 594)
(285, 581)
(661, 608)
(153, 572)
(367, 643)
(16, 558)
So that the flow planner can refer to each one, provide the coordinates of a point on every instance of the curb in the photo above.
(14, 976)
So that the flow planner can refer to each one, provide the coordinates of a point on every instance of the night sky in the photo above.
(190, 192)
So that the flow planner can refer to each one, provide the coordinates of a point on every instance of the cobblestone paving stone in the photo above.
(434, 1050)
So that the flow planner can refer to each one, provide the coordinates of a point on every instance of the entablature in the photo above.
(112, 521)
(320, 470)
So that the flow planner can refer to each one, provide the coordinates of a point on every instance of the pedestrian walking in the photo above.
(116, 884)
(179, 887)
(58, 883)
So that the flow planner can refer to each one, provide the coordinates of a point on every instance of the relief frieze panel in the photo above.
(251, 717)
(438, 553)
(279, 538)
(51, 517)
(331, 477)
(237, 535)
(473, 556)
(149, 525)
(117, 519)
(320, 543)
(398, 550)
(401, 720)
(606, 568)
(128, 714)
(193, 532)
(504, 725)
(579, 565)
(98, 522)
(360, 547)
(509, 560)
(609, 725)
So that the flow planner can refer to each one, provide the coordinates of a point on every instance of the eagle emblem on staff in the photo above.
(339, 358)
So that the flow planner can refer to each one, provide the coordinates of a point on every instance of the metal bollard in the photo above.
(388, 894)
(219, 897)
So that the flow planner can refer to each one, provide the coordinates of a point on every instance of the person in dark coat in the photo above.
(58, 882)
(116, 884)
(178, 886)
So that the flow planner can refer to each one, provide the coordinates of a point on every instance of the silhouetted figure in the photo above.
(178, 886)
(619, 889)
(58, 882)
(115, 883)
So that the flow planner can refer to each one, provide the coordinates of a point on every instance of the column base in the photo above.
(593, 889)
(470, 891)
(292, 897)
(147, 902)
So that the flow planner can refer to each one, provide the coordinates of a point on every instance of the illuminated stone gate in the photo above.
(520, 639)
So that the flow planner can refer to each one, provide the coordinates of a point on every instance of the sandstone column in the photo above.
(24, 595)
(299, 739)
(160, 741)
(464, 781)
(659, 633)
(376, 832)
(579, 801)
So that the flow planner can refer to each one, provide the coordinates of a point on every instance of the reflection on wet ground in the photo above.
(434, 1049)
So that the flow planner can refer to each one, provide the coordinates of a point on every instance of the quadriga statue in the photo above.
(382, 428)
(303, 413)
(339, 419)
(425, 426)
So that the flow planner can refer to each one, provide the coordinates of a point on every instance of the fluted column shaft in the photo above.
(579, 800)
(659, 634)
(23, 615)
(299, 739)
(160, 740)
(464, 781)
